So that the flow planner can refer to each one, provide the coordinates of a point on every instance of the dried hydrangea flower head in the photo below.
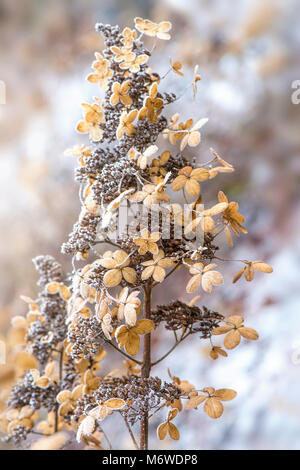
(105, 304)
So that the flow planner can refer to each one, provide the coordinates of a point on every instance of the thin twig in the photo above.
(131, 433)
(183, 337)
(106, 437)
(124, 353)
(109, 242)
(227, 260)
(169, 274)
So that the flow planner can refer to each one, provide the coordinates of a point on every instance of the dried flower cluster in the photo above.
(106, 303)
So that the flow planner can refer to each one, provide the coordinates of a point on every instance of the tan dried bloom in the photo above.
(18, 322)
(106, 325)
(157, 169)
(250, 268)
(192, 137)
(83, 152)
(120, 93)
(33, 306)
(93, 117)
(24, 361)
(232, 218)
(67, 337)
(128, 306)
(104, 409)
(169, 131)
(224, 167)
(67, 400)
(156, 267)
(129, 35)
(46, 379)
(89, 383)
(126, 125)
(58, 288)
(234, 330)
(168, 428)
(102, 72)
(188, 179)
(212, 398)
(203, 219)
(128, 336)
(204, 275)
(102, 307)
(143, 158)
(108, 212)
(24, 417)
(117, 264)
(196, 79)
(176, 67)
(159, 30)
(147, 242)
(216, 351)
(184, 386)
(134, 62)
(152, 105)
(151, 194)
(123, 54)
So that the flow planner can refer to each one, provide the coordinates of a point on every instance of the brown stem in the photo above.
(60, 365)
(170, 350)
(131, 433)
(146, 367)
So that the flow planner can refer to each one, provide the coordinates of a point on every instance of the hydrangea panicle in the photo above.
(104, 305)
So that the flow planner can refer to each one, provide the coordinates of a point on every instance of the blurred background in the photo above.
(248, 53)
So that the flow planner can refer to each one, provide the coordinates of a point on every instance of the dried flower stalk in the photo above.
(107, 302)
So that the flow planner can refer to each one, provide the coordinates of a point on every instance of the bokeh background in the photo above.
(248, 53)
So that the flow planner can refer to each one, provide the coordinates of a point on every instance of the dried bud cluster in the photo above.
(178, 315)
(140, 394)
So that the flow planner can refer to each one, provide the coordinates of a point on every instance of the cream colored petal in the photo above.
(262, 266)
(179, 182)
(107, 263)
(53, 287)
(200, 174)
(193, 283)
(232, 339)
(144, 326)
(214, 408)
(236, 320)
(112, 277)
(114, 99)
(192, 187)
(159, 274)
(63, 396)
(132, 344)
(162, 431)
(129, 275)
(225, 394)
(115, 403)
(153, 248)
(165, 263)
(130, 315)
(147, 272)
(123, 294)
(248, 333)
